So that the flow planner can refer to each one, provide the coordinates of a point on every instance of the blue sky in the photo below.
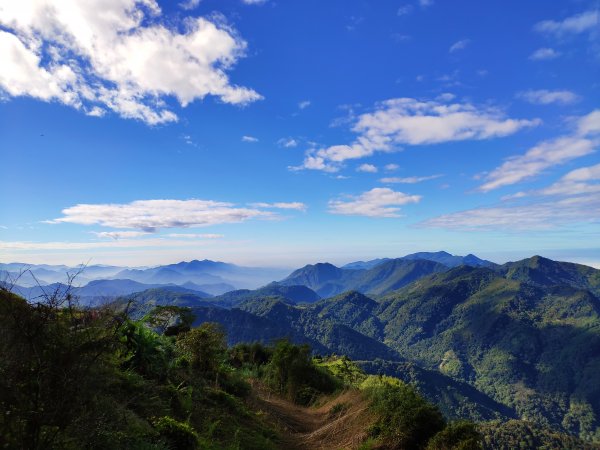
(287, 132)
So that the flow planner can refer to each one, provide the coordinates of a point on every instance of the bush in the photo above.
(405, 419)
(250, 355)
(204, 348)
(291, 372)
(178, 435)
(461, 435)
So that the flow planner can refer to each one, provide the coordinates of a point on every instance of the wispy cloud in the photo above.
(287, 142)
(533, 216)
(114, 243)
(249, 139)
(578, 23)
(446, 97)
(409, 180)
(391, 167)
(52, 51)
(546, 97)
(414, 122)
(152, 215)
(544, 54)
(459, 45)
(547, 154)
(574, 198)
(368, 168)
(304, 104)
(196, 235)
(298, 206)
(189, 5)
(404, 10)
(378, 202)
(136, 234)
(585, 180)
(120, 234)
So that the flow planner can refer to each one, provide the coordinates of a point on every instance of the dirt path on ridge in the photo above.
(316, 428)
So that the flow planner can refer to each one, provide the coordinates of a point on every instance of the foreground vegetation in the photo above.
(72, 378)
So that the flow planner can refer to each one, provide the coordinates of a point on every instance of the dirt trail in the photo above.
(312, 428)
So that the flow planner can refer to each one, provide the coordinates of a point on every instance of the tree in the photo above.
(170, 320)
(51, 365)
(205, 349)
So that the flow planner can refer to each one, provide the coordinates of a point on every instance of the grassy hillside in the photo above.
(532, 348)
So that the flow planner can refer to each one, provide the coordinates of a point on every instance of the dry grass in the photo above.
(338, 422)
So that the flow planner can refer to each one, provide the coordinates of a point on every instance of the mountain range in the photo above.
(99, 283)
(513, 341)
(484, 341)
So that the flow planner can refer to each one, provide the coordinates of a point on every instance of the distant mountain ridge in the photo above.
(378, 276)
(519, 340)
(441, 257)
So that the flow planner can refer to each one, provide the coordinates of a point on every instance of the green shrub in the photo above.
(291, 372)
(204, 348)
(461, 435)
(405, 419)
(178, 435)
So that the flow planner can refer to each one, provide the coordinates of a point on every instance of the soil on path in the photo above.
(339, 422)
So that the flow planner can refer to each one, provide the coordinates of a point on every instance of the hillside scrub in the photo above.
(75, 378)
(72, 378)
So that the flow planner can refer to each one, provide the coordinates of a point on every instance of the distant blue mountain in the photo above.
(449, 260)
(441, 257)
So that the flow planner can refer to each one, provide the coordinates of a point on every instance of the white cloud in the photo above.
(545, 97)
(254, 2)
(546, 154)
(120, 234)
(190, 4)
(288, 142)
(544, 54)
(589, 124)
(135, 234)
(535, 216)
(425, 3)
(574, 198)
(152, 215)
(115, 243)
(446, 97)
(459, 45)
(369, 168)
(122, 59)
(298, 206)
(409, 180)
(249, 139)
(579, 23)
(410, 121)
(391, 167)
(304, 104)
(378, 202)
(585, 180)
(537, 159)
